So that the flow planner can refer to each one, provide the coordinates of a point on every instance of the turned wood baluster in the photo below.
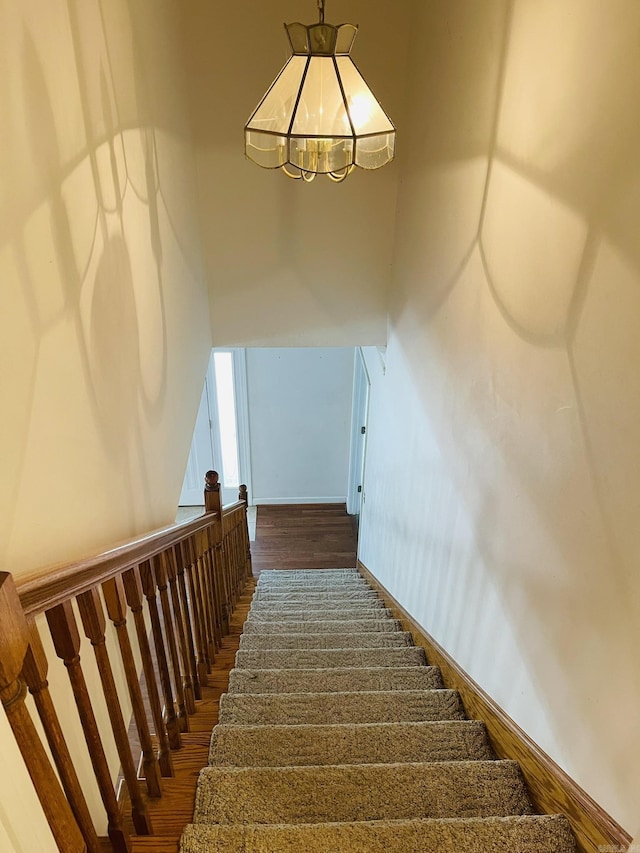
(181, 622)
(227, 547)
(218, 592)
(244, 496)
(189, 618)
(199, 549)
(237, 550)
(217, 568)
(160, 572)
(14, 643)
(204, 557)
(171, 720)
(231, 560)
(95, 626)
(34, 672)
(196, 609)
(114, 597)
(222, 553)
(203, 584)
(206, 582)
(66, 641)
(133, 593)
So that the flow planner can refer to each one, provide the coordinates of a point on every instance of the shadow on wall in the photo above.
(527, 212)
(83, 249)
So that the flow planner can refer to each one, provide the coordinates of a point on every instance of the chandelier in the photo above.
(319, 117)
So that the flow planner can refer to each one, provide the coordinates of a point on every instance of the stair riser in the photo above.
(300, 746)
(353, 584)
(336, 626)
(370, 640)
(320, 606)
(335, 680)
(310, 615)
(329, 658)
(367, 792)
(304, 595)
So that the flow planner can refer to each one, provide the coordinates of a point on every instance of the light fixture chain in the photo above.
(321, 10)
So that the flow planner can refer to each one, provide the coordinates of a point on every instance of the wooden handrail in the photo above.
(45, 589)
(183, 581)
(49, 587)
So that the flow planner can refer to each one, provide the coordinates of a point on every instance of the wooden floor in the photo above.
(304, 536)
(170, 814)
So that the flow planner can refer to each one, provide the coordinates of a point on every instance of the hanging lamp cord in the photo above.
(321, 10)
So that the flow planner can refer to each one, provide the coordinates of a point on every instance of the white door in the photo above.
(200, 456)
(359, 414)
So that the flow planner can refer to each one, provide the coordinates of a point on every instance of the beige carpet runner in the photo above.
(337, 737)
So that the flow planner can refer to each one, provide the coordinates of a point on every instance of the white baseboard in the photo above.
(273, 501)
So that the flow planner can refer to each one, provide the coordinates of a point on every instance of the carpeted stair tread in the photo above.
(327, 626)
(385, 706)
(316, 580)
(272, 575)
(338, 680)
(329, 594)
(368, 640)
(320, 606)
(368, 743)
(328, 658)
(360, 792)
(314, 615)
(520, 834)
(309, 587)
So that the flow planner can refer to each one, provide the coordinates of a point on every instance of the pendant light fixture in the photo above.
(319, 116)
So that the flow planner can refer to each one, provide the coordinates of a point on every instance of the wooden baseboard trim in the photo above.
(552, 791)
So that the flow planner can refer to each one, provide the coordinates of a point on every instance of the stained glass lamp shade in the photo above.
(319, 116)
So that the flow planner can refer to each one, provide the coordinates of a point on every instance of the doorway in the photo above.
(360, 412)
(220, 439)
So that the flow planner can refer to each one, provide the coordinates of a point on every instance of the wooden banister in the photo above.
(51, 586)
(182, 581)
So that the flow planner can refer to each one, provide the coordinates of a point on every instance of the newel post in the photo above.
(213, 504)
(212, 498)
(244, 497)
(14, 644)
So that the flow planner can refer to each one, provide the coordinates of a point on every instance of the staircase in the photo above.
(336, 735)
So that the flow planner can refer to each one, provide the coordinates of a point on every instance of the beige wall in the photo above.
(503, 471)
(289, 264)
(104, 333)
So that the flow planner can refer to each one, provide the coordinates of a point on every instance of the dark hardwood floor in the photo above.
(303, 536)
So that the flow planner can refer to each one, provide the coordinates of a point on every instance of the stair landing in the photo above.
(303, 536)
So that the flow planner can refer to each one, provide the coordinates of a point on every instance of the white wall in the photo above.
(299, 418)
(290, 264)
(503, 471)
